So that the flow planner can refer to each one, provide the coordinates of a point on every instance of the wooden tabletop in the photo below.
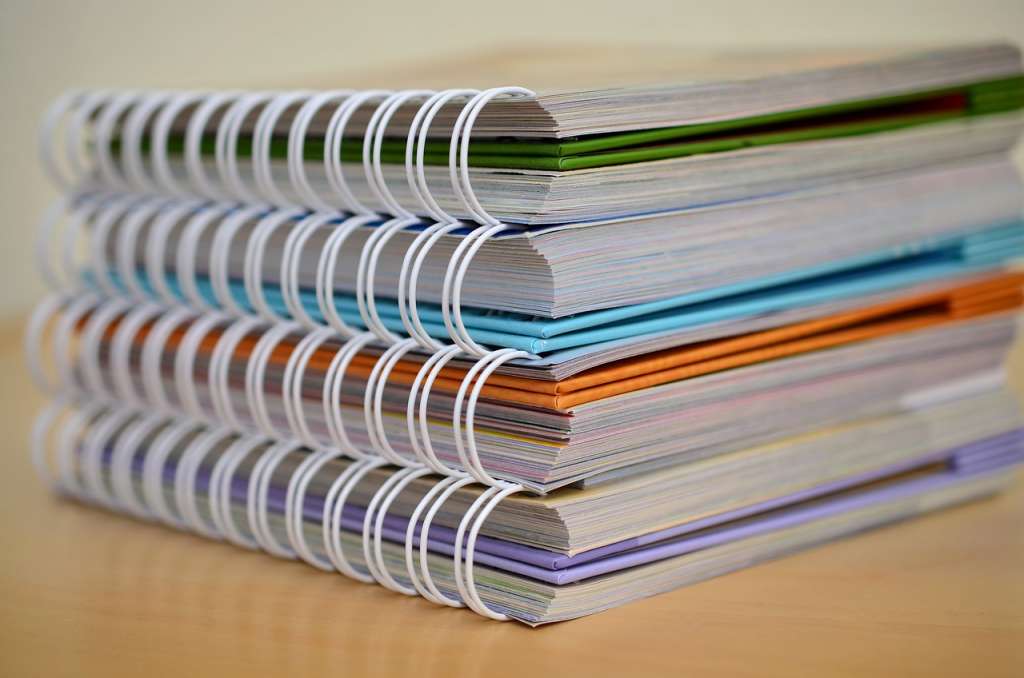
(84, 592)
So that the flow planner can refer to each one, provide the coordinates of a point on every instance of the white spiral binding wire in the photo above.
(389, 490)
(115, 425)
(220, 251)
(291, 258)
(160, 139)
(424, 117)
(332, 149)
(365, 275)
(68, 470)
(45, 234)
(292, 383)
(91, 340)
(153, 347)
(55, 114)
(99, 317)
(188, 252)
(461, 584)
(77, 312)
(254, 253)
(155, 256)
(138, 219)
(109, 427)
(257, 500)
(415, 176)
(154, 467)
(219, 368)
(98, 323)
(262, 164)
(451, 289)
(123, 459)
(42, 316)
(447, 488)
(411, 564)
(94, 445)
(107, 125)
(432, 368)
(100, 436)
(66, 480)
(255, 371)
(336, 498)
(326, 268)
(195, 130)
(372, 151)
(196, 449)
(374, 173)
(295, 502)
(416, 254)
(331, 395)
(370, 528)
(227, 144)
(182, 502)
(75, 147)
(350, 482)
(470, 589)
(221, 478)
(332, 388)
(468, 454)
(186, 479)
(104, 221)
(184, 370)
(297, 145)
(426, 460)
(133, 157)
(384, 577)
(365, 296)
(121, 350)
(451, 294)
(340, 490)
(490, 361)
(412, 263)
(373, 401)
(40, 443)
(69, 240)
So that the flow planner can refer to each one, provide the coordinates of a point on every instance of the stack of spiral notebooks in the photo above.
(538, 354)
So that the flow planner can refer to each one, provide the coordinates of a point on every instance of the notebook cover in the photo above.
(993, 294)
(567, 337)
(896, 112)
(982, 456)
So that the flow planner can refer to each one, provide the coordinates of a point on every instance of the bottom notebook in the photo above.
(536, 586)
(660, 565)
(728, 548)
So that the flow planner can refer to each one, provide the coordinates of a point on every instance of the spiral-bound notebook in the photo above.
(538, 353)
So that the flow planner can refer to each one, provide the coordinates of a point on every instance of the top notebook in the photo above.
(581, 93)
(731, 128)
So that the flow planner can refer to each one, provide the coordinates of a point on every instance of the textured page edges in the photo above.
(993, 294)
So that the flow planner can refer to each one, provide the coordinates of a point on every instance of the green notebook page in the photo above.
(823, 122)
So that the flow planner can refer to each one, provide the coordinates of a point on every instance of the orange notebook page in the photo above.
(992, 294)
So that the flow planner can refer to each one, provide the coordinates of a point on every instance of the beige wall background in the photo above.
(46, 47)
